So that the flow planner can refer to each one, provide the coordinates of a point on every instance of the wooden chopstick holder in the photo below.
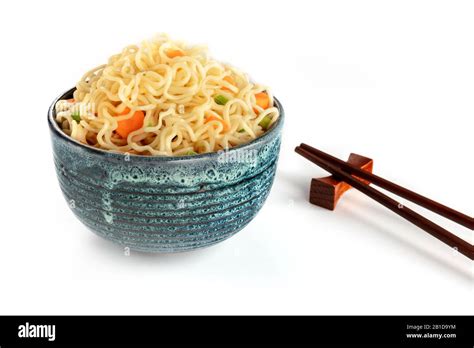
(412, 196)
(435, 230)
(326, 192)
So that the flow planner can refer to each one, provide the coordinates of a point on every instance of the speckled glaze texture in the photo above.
(165, 204)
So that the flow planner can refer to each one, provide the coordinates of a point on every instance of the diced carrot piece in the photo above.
(174, 53)
(211, 117)
(125, 127)
(263, 100)
(231, 81)
(72, 100)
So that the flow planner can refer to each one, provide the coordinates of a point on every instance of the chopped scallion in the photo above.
(76, 116)
(220, 99)
(265, 122)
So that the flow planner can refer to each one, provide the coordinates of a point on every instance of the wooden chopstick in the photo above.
(435, 230)
(414, 197)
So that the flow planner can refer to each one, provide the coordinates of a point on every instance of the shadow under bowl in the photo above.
(165, 204)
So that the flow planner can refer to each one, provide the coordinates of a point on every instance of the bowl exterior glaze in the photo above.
(165, 204)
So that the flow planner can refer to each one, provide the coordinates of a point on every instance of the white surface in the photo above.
(390, 80)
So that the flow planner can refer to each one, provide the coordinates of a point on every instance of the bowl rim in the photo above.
(55, 129)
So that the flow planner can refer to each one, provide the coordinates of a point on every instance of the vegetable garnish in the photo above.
(76, 116)
(263, 100)
(72, 100)
(265, 122)
(212, 117)
(174, 53)
(190, 153)
(241, 130)
(230, 80)
(125, 127)
(220, 99)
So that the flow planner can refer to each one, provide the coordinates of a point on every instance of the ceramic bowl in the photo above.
(165, 204)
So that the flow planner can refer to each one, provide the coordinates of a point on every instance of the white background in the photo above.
(392, 80)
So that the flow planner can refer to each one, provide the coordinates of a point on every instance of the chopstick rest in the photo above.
(346, 172)
(412, 196)
(326, 192)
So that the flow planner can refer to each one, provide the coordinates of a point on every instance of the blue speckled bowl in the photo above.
(165, 204)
